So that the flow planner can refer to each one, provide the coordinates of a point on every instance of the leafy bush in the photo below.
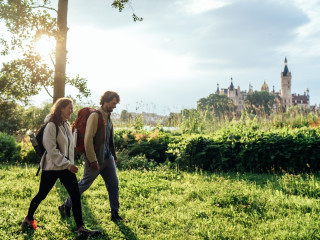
(28, 154)
(11, 119)
(9, 149)
(136, 162)
(153, 145)
(250, 150)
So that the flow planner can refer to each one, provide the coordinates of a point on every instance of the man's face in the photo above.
(109, 106)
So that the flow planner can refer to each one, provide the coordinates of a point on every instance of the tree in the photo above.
(259, 102)
(125, 116)
(28, 20)
(220, 105)
(11, 117)
(61, 50)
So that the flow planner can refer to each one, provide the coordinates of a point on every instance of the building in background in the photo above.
(284, 98)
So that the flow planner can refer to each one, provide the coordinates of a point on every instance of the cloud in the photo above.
(122, 60)
(306, 41)
(201, 6)
(183, 48)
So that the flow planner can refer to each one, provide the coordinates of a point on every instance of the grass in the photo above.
(169, 204)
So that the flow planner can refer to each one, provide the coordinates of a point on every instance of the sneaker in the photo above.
(29, 224)
(64, 210)
(86, 232)
(115, 217)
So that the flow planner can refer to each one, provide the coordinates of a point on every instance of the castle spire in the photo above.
(285, 70)
(231, 87)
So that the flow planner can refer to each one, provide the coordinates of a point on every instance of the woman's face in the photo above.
(67, 111)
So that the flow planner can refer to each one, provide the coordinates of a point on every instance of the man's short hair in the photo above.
(108, 96)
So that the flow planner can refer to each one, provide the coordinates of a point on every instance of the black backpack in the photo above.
(37, 143)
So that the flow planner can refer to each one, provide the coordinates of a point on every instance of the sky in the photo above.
(183, 48)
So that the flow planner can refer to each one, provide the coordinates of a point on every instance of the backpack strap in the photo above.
(57, 131)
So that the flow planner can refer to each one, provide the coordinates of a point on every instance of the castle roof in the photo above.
(285, 70)
(299, 98)
(231, 87)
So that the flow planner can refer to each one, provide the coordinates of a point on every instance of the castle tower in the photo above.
(264, 87)
(286, 97)
(231, 91)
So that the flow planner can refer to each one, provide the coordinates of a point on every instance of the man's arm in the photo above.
(91, 129)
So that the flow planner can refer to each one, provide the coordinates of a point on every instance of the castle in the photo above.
(284, 98)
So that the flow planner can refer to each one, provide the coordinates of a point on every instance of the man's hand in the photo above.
(73, 169)
(95, 165)
(116, 160)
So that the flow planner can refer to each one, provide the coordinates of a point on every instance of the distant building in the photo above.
(238, 97)
(284, 98)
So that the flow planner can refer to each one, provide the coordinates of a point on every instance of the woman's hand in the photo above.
(73, 169)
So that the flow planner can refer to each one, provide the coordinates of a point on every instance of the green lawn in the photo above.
(166, 204)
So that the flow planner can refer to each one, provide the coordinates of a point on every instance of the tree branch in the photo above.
(42, 6)
(47, 91)
(52, 61)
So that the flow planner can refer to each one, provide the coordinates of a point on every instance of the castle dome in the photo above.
(265, 87)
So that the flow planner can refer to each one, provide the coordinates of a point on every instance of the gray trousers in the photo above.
(108, 172)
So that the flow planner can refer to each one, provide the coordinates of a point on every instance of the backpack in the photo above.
(37, 143)
(79, 127)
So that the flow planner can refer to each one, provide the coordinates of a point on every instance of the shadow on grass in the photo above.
(126, 231)
(28, 233)
(89, 216)
(261, 180)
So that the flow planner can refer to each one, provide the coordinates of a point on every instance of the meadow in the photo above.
(168, 203)
(249, 177)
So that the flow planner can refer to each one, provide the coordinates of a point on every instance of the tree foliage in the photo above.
(27, 74)
(221, 105)
(11, 119)
(259, 102)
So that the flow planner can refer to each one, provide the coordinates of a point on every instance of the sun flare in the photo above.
(45, 46)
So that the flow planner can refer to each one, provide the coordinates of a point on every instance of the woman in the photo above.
(58, 162)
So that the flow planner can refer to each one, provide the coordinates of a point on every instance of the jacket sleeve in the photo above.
(50, 144)
(91, 129)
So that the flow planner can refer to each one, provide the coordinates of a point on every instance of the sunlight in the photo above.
(45, 46)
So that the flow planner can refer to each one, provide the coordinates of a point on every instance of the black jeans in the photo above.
(69, 180)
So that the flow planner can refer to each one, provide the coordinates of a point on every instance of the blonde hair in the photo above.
(56, 110)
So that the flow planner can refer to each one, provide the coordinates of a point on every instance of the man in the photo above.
(103, 160)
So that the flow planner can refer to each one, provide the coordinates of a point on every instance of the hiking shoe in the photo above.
(64, 210)
(115, 217)
(86, 232)
(29, 224)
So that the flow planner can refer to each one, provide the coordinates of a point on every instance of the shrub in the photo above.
(28, 154)
(9, 149)
(250, 150)
(153, 144)
(136, 162)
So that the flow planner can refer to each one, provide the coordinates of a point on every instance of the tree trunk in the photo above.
(61, 51)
